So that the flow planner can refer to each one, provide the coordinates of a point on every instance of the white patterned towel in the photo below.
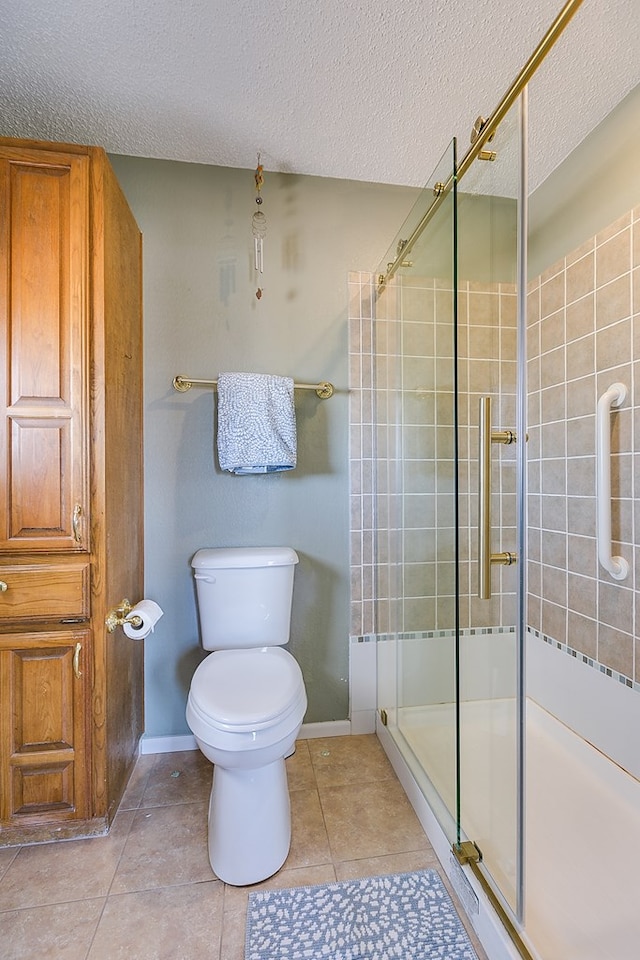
(256, 423)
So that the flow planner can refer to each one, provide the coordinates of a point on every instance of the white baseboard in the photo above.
(167, 744)
(331, 728)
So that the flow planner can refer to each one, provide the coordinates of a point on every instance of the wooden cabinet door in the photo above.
(44, 295)
(44, 692)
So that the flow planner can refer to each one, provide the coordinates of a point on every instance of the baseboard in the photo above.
(331, 728)
(167, 744)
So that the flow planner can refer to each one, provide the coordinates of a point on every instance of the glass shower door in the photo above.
(444, 348)
(490, 711)
(415, 373)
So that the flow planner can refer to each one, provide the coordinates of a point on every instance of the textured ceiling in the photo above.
(357, 89)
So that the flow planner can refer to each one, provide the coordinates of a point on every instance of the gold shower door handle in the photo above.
(485, 557)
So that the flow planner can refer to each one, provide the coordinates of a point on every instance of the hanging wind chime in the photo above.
(259, 230)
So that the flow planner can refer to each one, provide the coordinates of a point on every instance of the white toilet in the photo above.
(246, 705)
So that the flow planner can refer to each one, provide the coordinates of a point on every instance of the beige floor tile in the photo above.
(166, 846)
(233, 937)
(178, 778)
(300, 775)
(350, 818)
(7, 856)
(174, 923)
(309, 843)
(342, 760)
(370, 820)
(138, 782)
(62, 931)
(63, 871)
(235, 898)
(393, 863)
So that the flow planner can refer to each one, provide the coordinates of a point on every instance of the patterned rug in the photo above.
(404, 916)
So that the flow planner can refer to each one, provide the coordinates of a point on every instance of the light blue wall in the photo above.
(202, 317)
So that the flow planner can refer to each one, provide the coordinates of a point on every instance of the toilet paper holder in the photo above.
(120, 615)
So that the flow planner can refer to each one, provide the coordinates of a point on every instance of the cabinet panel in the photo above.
(43, 788)
(43, 718)
(49, 590)
(44, 228)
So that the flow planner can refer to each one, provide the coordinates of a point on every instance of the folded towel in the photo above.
(256, 423)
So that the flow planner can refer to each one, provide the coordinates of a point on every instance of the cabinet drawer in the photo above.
(44, 591)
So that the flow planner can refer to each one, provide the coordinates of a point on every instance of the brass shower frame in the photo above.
(485, 132)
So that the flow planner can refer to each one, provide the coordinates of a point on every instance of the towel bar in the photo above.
(324, 390)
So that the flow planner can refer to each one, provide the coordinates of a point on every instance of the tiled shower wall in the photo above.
(584, 335)
(402, 467)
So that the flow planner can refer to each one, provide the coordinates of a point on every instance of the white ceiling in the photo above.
(357, 89)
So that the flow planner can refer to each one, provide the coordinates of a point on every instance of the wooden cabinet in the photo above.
(45, 684)
(71, 537)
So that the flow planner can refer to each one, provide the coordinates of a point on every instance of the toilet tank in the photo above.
(244, 595)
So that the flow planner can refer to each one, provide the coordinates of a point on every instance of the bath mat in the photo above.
(403, 916)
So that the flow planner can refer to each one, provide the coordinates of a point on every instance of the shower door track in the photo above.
(468, 854)
(484, 131)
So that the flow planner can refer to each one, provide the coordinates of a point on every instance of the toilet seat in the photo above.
(246, 690)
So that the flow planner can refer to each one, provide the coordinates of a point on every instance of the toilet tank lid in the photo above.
(227, 558)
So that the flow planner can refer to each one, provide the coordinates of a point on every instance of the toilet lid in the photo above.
(246, 689)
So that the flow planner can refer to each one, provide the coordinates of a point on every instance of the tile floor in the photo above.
(147, 892)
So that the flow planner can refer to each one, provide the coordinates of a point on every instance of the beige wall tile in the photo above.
(613, 257)
(580, 317)
(552, 333)
(613, 345)
(615, 649)
(580, 358)
(580, 278)
(613, 301)
(552, 296)
(582, 634)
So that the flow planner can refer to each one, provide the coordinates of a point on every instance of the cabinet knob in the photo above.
(3, 586)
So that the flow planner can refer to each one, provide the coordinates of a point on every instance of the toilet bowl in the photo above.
(245, 706)
(245, 709)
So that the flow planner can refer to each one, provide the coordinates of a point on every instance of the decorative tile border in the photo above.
(432, 634)
(483, 631)
(589, 661)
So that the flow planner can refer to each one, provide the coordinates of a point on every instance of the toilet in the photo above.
(246, 705)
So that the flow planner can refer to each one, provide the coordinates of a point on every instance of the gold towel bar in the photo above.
(324, 390)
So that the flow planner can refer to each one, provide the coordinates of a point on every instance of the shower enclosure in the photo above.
(446, 407)
(498, 320)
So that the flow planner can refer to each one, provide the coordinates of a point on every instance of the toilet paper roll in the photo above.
(149, 612)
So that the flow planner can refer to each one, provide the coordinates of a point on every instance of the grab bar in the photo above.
(613, 397)
(485, 557)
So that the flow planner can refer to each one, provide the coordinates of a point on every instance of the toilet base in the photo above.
(249, 823)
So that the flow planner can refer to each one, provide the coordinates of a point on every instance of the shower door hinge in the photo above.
(467, 852)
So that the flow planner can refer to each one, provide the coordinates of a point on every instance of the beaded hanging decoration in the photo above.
(259, 228)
